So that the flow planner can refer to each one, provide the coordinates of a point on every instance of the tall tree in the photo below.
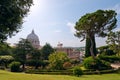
(23, 48)
(97, 23)
(12, 13)
(113, 40)
(46, 51)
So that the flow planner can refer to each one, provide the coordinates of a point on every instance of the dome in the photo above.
(33, 38)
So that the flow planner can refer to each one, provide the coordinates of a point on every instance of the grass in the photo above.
(4, 75)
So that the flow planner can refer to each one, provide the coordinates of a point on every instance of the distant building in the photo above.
(34, 40)
(71, 52)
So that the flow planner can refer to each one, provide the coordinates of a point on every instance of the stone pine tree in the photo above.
(98, 23)
(87, 47)
(12, 13)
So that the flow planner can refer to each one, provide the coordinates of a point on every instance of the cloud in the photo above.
(116, 8)
(71, 26)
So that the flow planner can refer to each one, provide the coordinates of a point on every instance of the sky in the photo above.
(53, 20)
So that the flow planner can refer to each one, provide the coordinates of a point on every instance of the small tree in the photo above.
(46, 51)
(57, 60)
(96, 23)
(23, 48)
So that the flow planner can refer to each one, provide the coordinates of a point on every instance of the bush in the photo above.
(111, 59)
(15, 66)
(67, 65)
(77, 71)
(96, 64)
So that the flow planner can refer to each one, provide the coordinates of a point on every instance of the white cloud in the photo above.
(116, 8)
(71, 26)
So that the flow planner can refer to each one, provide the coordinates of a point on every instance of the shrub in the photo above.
(96, 64)
(35, 63)
(5, 60)
(111, 59)
(67, 65)
(77, 71)
(15, 66)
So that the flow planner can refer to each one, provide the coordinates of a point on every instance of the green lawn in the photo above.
(4, 75)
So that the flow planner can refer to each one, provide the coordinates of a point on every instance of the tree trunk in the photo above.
(91, 48)
(23, 67)
(88, 45)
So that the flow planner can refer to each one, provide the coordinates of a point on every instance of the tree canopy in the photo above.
(98, 23)
(113, 40)
(23, 48)
(46, 51)
(57, 60)
(12, 13)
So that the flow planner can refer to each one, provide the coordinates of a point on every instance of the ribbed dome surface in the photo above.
(33, 38)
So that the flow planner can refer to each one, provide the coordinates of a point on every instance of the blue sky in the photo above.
(53, 20)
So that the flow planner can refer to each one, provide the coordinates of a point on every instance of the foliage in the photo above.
(12, 13)
(100, 72)
(36, 54)
(105, 50)
(110, 59)
(15, 66)
(35, 63)
(67, 65)
(5, 60)
(46, 51)
(5, 49)
(57, 60)
(22, 49)
(96, 64)
(77, 71)
(88, 45)
(98, 23)
(114, 41)
(52, 72)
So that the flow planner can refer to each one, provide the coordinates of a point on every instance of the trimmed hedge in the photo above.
(55, 72)
(111, 59)
(69, 72)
